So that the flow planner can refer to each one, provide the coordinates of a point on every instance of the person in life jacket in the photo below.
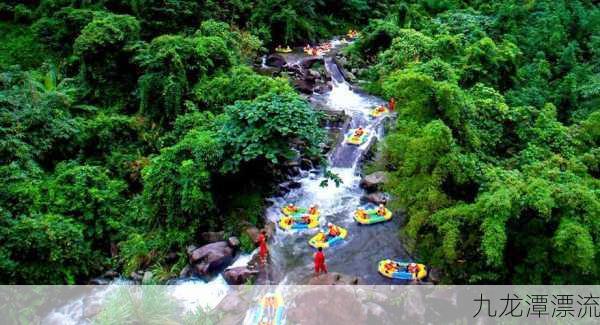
(412, 268)
(359, 132)
(312, 210)
(381, 210)
(361, 213)
(390, 266)
(306, 219)
(320, 265)
(392, 104)
(322, 237)
(333, 230)
(292, 208)
(288, 220)
(263, 250)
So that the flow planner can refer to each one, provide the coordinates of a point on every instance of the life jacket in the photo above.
(413, 268)
(334, 231)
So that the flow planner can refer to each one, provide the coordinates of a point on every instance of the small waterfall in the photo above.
(263, 62)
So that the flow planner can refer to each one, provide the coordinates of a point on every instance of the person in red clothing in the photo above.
(392, 104)
(320, 265)
(263, 250)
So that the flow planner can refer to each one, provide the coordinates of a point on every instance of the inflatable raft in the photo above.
(283, 50)
(379, 110)
(297, 222)
(400, 272)
(357, 140)
(370, 216)
(299, 212)
(317, 242)
(270, 310)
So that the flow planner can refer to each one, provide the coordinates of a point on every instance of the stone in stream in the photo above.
(285, 187)
(213, 257)
(374, 181)
(304, 85)
(275, 60)
(239, 275)
(376, 198)
(307, 63)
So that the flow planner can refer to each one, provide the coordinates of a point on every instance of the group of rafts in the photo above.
(298, 218)
(320, 49)
(359, 136)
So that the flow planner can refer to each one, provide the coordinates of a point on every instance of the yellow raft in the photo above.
(298, 212)
(316, 241)
(293, 222)
(400, 270)
(287, 49)
(379, 110)
(270, 310)
(370, 216)
(357, 140)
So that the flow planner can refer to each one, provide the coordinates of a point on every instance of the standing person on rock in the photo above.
(320, 265)
(392, 104)
(263, 249)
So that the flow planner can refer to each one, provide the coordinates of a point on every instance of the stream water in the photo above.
(365, 246)
(291, 260)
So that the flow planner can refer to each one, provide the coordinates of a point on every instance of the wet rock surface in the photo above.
(374, 181)
(376, 198)
(212, 257)
(240, 275)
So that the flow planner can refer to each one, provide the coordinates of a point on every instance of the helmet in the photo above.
(413, 264)
(329, 224)
(381, 205)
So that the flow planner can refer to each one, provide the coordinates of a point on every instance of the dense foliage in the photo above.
(129, 127)
(494, 155)
(125, 132)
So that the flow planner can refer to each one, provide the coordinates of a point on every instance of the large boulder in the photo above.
(212, 257)
(304, 86)
(239, 275)
(307, 63)
(376, 198)
(275, 60)
(333, 279)
(373, 182)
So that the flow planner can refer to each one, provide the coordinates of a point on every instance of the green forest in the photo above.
(127, 128)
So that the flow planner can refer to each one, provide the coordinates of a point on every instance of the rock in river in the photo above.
(239, 275)
(373, 182)
(275, 60)
(212, 257)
